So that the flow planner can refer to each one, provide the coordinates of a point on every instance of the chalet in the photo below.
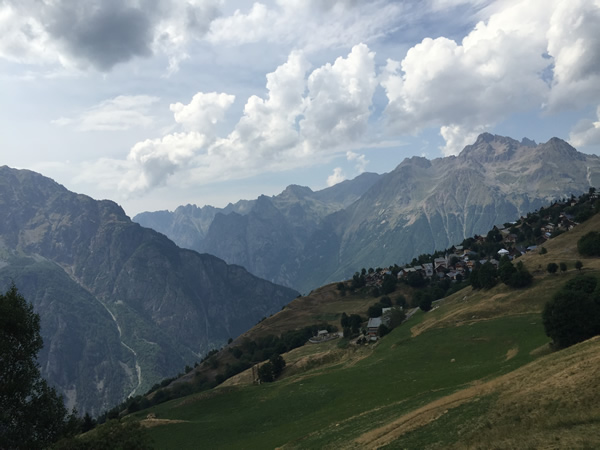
(373, 326)
(428, 269)
(440, 262)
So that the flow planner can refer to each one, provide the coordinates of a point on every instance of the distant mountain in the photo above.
(304, 239)
(268, 235)
(121, 306)
(426, 205)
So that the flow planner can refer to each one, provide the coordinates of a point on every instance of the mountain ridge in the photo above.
(420, 205)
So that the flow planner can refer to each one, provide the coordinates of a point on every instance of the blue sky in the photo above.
(157, 103)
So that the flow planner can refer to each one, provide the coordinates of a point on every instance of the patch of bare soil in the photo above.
(151, 423)
(420, 417)
(511, 353)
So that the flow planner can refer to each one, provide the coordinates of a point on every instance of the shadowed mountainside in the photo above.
(121, 306)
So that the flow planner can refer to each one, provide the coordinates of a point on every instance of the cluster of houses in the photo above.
(453, 265)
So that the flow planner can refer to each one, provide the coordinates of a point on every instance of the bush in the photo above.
(383, 330)
(484, 276)
(521, 277)
(385, 301)
(401, 301)
(375, 310)
(552, 267)
(589, 244)
(573, 314)
(425, 302)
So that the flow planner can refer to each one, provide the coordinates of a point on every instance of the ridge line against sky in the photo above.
(157, 103)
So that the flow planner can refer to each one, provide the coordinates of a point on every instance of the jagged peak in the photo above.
(490, 147)
(419, 161)
(526, 142)
(297, 190)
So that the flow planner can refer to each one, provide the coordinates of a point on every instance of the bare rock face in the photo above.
(374, 220)
(122, 306)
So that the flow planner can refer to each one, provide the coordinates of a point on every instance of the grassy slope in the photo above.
(472, 373)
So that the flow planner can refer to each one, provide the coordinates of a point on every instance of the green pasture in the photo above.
(332, 405)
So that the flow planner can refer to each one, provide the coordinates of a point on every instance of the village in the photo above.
(511, 240)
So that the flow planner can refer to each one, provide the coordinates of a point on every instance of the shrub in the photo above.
(573, 314)
(552, 267)
(589, 244)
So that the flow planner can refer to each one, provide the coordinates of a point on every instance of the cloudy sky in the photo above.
(157, 103)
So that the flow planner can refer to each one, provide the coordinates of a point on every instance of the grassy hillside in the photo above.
(475, 372)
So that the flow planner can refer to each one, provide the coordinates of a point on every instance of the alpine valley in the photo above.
(123, 307)
(304, 239)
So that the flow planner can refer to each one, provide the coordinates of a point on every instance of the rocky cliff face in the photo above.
(121, 305)
(419, 207)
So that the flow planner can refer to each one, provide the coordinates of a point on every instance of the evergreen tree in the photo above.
(32, 415)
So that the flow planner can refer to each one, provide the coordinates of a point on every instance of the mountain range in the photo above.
(121, 306)
(304, 239)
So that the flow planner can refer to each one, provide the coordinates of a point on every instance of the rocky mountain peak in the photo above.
(490, 147)
(294, 190)
(526, 142)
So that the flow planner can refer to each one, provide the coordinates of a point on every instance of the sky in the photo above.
(161, 103)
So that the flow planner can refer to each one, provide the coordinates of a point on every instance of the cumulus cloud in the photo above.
(336, 177)
(117, 114)
(465, 86)
(574, 43)
(100, 33)
(339, 99)
(586, 132)
(305, 118)
(203, 112)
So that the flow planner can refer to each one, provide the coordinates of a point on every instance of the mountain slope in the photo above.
(475, 372)
(426, 205)
(420, 206)
(146, 307)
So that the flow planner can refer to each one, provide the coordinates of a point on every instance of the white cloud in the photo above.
(492, 73)
(120, 113)
(23, 39)
(361, 161)
(586, 132)
(156, 159)
(339, 99)
(203, 112)
(574, 42)
(336, 177)
(303, 120)
(308, 24)
(458, 137)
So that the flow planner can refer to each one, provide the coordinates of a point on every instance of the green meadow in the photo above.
(331, 406)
